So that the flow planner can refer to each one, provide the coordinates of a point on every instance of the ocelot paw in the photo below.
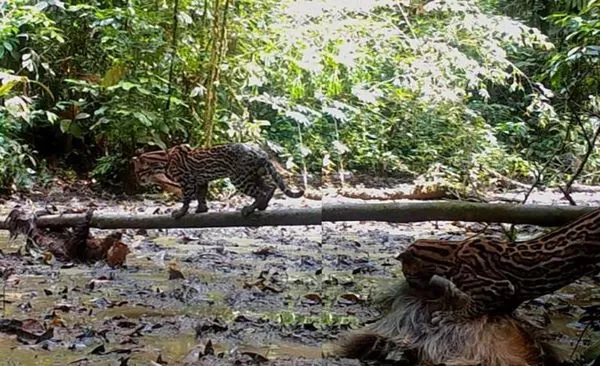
(441, 318)
(201, 209)
(448, 288)
(247, 210)
(177, 214)
(446, 317)
(441, 283)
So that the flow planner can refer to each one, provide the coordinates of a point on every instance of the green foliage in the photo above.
(375, 86)
(107, 166)
(383, 93)
(16, 158)
(20, 26)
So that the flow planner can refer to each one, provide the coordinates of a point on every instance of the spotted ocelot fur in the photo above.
(496, 276)
(247, 166)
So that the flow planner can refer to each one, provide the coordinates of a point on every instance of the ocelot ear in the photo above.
(402, 256)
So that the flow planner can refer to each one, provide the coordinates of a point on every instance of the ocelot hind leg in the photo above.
(201, 190)
(268, 190)
(254, 186)
(188, 187)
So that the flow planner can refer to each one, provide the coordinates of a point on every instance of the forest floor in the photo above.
(271, 294)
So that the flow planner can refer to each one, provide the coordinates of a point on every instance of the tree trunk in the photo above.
(542, 215)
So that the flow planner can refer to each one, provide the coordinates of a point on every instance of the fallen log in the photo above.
(584, 188)
(542, 215)
(309, 216)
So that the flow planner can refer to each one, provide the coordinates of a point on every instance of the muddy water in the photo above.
(271, 293)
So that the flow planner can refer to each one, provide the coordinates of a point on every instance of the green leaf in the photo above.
(340, 147)
(65, 125)
(76, 130)
(142, 118)
(51, 117)
(298, 117)
(6, 88)
(100, 122)
(70, 127)
(335, 113)
(125, 85)
(184, 18)
(198, 91)
(114, 75)
(41, 6)
(100, 111)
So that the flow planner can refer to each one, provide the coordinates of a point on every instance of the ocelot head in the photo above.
(425, 258)
(151, 167)
(149, 164)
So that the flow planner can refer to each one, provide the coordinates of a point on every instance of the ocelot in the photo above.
(494, 276)
(246, 165)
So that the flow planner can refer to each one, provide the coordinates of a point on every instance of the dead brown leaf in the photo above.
(174, 272)
(116, 255)
(265, 251)
(314, 298)
(350, 298)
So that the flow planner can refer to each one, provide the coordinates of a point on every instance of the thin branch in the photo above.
(580, 338)
(588, 153)
(173, 55)
(410, 28)
(511, 231)
(568, 196)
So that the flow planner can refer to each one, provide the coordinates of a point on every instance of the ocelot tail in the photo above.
(247, 166)
(494, 276)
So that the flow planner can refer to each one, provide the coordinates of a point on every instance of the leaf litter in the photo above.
(221, 296)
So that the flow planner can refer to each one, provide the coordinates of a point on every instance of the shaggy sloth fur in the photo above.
(488, 340)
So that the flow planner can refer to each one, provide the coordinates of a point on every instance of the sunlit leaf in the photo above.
(7, 87)
(366, 95)
(18, 107)
(51, 117)
(184, 18)
(335, 113)
(305, 151)
(142, 118)
(340, 147)
(198, 91)
(40, 6)
(298, 117)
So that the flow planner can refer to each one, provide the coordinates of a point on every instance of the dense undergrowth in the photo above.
(378, 87)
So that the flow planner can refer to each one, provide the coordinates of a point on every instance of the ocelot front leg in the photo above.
(188, 186)
(479, 302)
(201, 190)
(254, 186)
